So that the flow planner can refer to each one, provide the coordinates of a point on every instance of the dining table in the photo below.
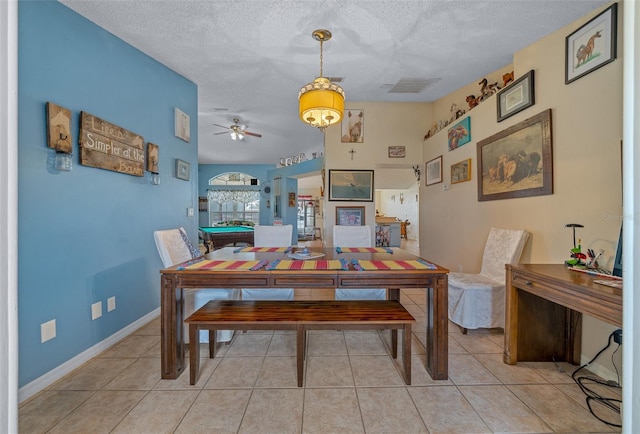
(297, 267)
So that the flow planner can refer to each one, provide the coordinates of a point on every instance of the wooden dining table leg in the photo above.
(394, 294)
(300, 342)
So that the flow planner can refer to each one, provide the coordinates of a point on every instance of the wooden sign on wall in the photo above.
(107, 146)
(58, 128)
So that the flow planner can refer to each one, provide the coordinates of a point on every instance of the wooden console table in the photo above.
(543, 307)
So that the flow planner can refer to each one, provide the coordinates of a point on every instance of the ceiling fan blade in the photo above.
(249, 133)
(223, 132)
(221, 126)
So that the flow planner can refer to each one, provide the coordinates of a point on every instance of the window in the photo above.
(234, 198)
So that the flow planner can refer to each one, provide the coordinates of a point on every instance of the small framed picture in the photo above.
(516, 97)
(350, 215)
(459, 134)
(397, 151)
(433, 170)
(591, 46)
(353, 126)
(183, 170)
(182, 124)
(461, 172)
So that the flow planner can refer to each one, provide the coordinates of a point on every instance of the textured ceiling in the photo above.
(250, 58)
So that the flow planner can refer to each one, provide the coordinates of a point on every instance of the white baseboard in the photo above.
(57, 373)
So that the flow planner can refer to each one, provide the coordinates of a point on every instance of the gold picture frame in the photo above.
(461, 171)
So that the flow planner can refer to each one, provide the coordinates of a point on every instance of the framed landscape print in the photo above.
(591, 46)
(518, 161)
(351, 185)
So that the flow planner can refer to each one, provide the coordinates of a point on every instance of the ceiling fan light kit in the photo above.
(237, 131)
(321, 101)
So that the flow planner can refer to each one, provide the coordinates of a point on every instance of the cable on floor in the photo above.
(585, 381)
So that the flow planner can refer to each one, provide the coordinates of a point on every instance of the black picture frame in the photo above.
(351, 185)
(516, 97)
(592, 46)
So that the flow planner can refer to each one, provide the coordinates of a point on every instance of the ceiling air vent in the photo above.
(412, 85)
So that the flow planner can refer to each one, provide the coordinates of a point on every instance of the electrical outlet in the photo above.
(47, 330)
(111, 303)
(96, 310)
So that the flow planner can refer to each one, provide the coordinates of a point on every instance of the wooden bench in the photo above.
(299, 315)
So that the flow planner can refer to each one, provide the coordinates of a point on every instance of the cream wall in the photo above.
(385, 124)
(586, 133)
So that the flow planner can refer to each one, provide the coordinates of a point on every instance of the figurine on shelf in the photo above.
(472, 101)
(507, 78)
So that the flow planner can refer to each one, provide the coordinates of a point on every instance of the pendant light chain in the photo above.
(321, 57)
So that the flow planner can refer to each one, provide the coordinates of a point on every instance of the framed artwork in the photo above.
(591, 46)
(350, 215)
(461, 172)
(183, 169)
(516, 97)
(459, 134)
(518, 161)
(433, 170)
(351, 185)
(182, 124)
(152, 158)
(353, 126)
(397, 151)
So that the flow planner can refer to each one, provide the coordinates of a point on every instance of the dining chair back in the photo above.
(477, 300)
(270, 236)
(175, 247)
(352, 236)
(356, 236)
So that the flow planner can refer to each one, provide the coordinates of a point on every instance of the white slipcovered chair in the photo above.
(270, 236)
(175, 247)
(356, 236)
(478, 300)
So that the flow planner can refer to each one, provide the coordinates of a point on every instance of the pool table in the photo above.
(220, 236)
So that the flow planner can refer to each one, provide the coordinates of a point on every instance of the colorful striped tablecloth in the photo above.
(263, 249)
(315, 264)
(413, 264)
(226, 265)
(363, 250)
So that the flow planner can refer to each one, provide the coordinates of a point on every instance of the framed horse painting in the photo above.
(591, 46)
(517, 161)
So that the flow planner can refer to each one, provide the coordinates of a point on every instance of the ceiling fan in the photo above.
(236, 130)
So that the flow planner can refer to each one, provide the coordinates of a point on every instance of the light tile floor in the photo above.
(351, 385)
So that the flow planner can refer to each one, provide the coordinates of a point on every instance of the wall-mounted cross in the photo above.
(352, 151)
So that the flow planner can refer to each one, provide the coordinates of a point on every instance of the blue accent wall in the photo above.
(87, 235)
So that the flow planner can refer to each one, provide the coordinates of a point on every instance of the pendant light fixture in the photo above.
(321, 101)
